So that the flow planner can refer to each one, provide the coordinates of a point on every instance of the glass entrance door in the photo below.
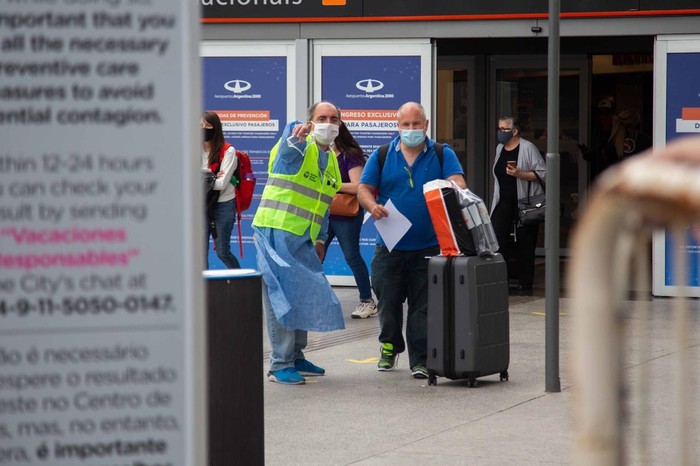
(454, 120)
(519, 88)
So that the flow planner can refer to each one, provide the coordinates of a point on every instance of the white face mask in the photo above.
(325, 133)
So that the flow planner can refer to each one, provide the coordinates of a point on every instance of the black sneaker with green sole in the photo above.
(387, 358)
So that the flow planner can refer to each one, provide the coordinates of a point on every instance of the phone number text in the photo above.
(87, 305)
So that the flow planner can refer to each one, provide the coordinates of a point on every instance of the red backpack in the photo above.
(243, 180)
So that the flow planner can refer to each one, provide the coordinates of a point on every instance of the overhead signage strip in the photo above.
(472, 17)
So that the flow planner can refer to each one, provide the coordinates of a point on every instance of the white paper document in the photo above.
(393, 227)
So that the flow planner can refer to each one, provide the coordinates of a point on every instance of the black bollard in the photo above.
(235, 375)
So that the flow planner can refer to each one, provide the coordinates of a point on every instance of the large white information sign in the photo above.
(676, 115)
(101, 304)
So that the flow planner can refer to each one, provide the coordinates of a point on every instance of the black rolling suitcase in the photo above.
(468, 323)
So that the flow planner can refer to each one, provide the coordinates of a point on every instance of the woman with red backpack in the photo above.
(219, 158)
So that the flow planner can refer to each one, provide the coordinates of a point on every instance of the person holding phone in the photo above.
(517, 161)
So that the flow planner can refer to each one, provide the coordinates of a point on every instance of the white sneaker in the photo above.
(364, 310)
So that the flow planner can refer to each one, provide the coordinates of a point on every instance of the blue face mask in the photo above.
(412, 137)
(504, 137)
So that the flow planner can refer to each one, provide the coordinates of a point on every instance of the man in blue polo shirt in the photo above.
(402, 273)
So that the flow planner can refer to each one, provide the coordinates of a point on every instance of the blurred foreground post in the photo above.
(551, 223)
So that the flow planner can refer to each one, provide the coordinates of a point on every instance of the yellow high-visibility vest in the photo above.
(299, 201)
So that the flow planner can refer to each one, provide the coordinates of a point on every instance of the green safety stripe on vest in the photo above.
(292, 209)
(292, 186)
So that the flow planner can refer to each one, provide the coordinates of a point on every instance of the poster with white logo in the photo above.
(250, 96)
(676, 78)
(101, 326)
(369, 90)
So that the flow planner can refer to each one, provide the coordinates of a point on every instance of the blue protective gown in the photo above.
(299, 292)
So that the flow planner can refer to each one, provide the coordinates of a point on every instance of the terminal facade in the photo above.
(477, 61)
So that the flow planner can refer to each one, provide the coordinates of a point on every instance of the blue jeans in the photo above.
(286, 344)
(224, 219)
(348, 234)
(397, 276)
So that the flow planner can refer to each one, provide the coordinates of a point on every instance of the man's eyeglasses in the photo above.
(410, 176)
(505, 130)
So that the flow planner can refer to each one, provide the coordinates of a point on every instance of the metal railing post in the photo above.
(551, 224)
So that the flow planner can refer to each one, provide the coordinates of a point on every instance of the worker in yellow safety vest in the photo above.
(290, 228)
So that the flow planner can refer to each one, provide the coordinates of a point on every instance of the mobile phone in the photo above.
(511, 162)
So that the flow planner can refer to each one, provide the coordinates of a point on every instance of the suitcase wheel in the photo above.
(432, 378)
(504, 376)
(472, 383)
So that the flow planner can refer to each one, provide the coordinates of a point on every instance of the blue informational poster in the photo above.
(682, 119)
(369, 90)
(250, 96)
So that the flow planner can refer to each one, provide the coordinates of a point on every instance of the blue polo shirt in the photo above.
(395, 183)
